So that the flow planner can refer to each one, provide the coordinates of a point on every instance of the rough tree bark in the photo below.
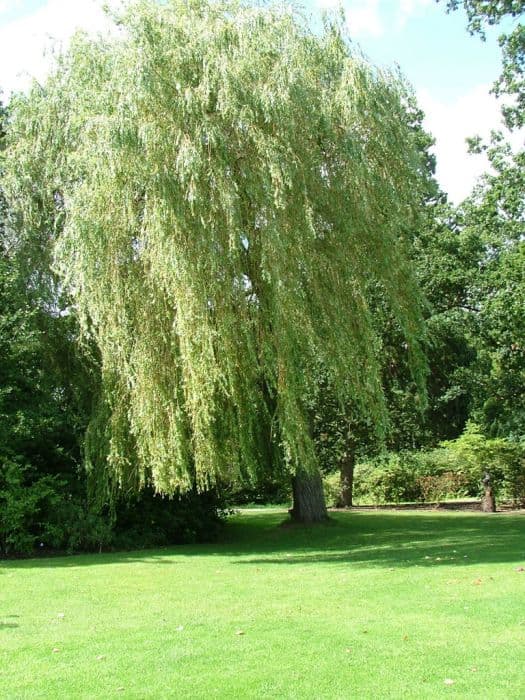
(488, 504)
(308, 498)
(347, 480)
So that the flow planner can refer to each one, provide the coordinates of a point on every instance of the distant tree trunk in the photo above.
(488, 504)
(347, 480)
(308, 498)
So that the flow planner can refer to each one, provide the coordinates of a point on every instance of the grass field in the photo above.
(373, 605)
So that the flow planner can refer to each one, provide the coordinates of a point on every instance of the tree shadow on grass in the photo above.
(403, 540)
(8, 625)
(392, 539)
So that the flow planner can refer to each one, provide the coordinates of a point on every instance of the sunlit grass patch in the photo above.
(373, 604)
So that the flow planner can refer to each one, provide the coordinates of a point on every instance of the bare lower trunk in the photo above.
(347, 481)
(308, 498)
(488, 504)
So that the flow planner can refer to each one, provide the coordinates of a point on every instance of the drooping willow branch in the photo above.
(231, 184)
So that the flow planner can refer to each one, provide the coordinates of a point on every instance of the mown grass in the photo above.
(373, 605)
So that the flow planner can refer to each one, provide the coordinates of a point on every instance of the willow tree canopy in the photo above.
(220, 186)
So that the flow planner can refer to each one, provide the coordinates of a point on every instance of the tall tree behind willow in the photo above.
(486, 13)
(495, 214)
(221, 185)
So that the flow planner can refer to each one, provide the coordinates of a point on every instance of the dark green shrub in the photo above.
(270, 488)
(26, 502)
(41, 513)
(439, 487)
(391, 478)
(151, 520)
(332, 488)
(472, 454)
(453, 470)
(513, 486)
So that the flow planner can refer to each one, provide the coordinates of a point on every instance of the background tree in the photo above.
(495, 215)
(39, 447)
(223, 185)
(445, 259)
(511, 82)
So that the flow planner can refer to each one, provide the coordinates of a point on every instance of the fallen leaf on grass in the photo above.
(478, 582)
(448, 681)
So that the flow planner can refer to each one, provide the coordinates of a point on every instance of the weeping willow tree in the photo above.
(219, 187)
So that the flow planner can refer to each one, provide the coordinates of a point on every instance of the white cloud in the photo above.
(372, 18)
(409, 8)
(25, 41)
(475, 113)
(8, 6)
(364, 18)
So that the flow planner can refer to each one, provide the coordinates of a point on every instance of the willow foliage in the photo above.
(220, 187)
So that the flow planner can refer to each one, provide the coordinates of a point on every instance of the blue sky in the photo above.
(451, 71)
(432, 47)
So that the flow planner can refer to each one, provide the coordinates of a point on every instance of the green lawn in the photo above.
(374, 605)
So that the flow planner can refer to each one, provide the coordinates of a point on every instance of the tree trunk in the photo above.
(347, 480)
(488, 504)
(308, 498)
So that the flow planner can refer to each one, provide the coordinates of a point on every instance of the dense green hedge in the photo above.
(416, 476)
(453, 470)
(41, 512)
